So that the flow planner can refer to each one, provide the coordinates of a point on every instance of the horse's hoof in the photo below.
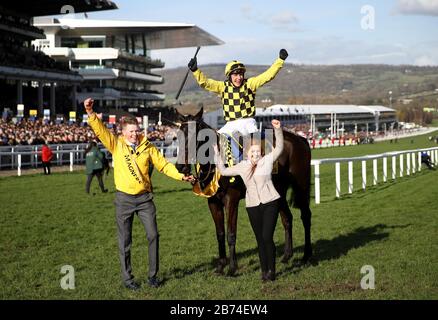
(232, 271)
(219, 271)
(286, 257)
(306, 257)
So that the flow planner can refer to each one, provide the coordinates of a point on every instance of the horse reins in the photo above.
(197, 176)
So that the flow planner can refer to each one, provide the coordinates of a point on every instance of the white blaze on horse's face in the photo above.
(254, 153)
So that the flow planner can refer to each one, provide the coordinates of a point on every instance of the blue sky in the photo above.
(314, 32)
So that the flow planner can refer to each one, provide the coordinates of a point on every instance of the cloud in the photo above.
(425, 61)
(247, 11)
(285, 20)
(417, 7)
(326, 50)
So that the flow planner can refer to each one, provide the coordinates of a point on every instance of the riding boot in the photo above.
(230, 160)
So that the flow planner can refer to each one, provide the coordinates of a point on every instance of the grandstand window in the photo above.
(81, 43)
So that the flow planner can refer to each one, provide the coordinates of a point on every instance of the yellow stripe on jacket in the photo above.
(130, 177)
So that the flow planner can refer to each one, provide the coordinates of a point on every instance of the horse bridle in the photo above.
(205, 126)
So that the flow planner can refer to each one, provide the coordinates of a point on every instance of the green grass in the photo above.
(48, 222)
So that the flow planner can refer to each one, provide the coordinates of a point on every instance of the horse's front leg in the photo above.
(217, 212)
(232, 212)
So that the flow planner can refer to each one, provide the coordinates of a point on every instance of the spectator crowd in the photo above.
(28, 132)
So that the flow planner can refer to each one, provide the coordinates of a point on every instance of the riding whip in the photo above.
(185, 78)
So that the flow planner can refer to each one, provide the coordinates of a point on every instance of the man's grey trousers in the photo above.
(126, 206)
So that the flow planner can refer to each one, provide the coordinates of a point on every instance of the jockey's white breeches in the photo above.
(245, 126)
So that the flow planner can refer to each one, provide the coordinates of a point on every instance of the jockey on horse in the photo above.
(238, 98)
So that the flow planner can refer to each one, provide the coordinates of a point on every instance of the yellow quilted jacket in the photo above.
(131, 167)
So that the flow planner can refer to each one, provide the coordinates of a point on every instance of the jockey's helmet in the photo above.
(234, 66)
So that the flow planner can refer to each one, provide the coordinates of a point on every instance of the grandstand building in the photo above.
(28, 76)
(320, 117)
(113, 57)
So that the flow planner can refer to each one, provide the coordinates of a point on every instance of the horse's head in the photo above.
(189, 125)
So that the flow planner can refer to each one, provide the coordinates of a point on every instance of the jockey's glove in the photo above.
(193, 64)
(283, 54)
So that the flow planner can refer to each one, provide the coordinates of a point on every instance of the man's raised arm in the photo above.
(101, 131)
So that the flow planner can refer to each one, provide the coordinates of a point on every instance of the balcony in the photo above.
(100, 54)
(98, 72)
(152, 63)
(151, 78)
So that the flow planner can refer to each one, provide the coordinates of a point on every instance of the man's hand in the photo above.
(189, 178)
(88, 104)
(193, 64)
(283, 54)
(276, 124)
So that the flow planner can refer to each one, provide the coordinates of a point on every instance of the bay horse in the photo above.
(293, 171)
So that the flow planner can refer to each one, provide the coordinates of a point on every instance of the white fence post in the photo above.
(414, 163)
(36, 157)
(374, 171)
(317, 186)
(71, 161)
(364, 174)
(13, 158)
(57, 154)
(338, 179)
(18, 164)
(401, 165)
(350, 176)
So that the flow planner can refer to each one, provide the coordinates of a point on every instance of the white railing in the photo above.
(412, 159)
(33, 153)
(20, 157)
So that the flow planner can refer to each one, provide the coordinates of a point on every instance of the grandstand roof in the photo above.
(160, 35)
(53, 7)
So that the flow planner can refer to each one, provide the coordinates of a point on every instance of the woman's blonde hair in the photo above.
(248, 142)
(251, 140)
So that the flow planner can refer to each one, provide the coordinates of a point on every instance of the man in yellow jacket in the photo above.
(132, 155)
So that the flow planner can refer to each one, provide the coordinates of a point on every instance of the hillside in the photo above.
(356, 84)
